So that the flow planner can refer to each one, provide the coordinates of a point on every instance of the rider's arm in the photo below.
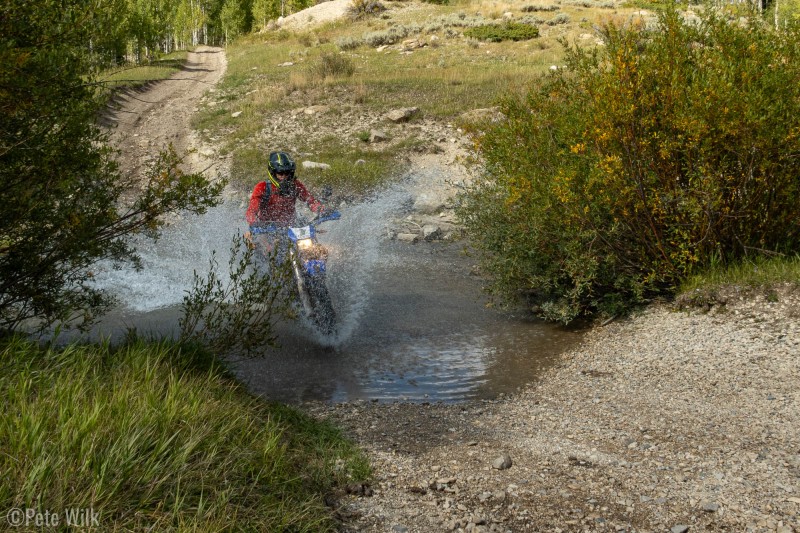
(304, 195)
(255, 201)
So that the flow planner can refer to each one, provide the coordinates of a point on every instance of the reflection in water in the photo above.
(425, 335)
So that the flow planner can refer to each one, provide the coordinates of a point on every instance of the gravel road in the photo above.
(147, 120)
(667, 421)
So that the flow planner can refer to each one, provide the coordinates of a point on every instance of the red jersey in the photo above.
(267, 205)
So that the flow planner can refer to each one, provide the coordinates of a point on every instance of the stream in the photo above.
(413, 320)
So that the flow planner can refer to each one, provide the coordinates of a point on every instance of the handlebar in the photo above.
(274, 228)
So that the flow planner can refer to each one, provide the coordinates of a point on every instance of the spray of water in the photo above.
(353, 243)
(186, 247)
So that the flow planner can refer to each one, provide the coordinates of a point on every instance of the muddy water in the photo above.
(425, 335)
(413, 322)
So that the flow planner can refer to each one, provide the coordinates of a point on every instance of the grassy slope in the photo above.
(452, 74)
(159, 438)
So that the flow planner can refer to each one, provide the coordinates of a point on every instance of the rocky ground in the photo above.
(667, 421)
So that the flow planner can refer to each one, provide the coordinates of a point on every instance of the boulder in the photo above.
(410, 238)
(431, 232)
(402, 115)
(376, 136)
(429, 203)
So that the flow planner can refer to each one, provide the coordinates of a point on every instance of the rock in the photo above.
(508, 15)
(428, 203)
(236, 114)
(503, 462)
(382, 47)
(286, 64)
(680, 528)
(316, 109)
(360, 162)
(412, 44)
(710, 507)
(397, 528)
(431, 232)
(411, 238)
(401, 115)
(312, 164)
(376, 136)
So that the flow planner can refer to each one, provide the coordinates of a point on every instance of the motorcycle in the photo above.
(308, 261)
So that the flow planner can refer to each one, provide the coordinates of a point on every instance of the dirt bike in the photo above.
(308, 260)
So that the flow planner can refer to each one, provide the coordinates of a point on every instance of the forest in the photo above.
(133, 31)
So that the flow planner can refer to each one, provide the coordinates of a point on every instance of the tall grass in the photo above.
(157, 437)
(757, 271)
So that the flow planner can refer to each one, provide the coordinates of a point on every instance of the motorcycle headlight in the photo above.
(305, 244)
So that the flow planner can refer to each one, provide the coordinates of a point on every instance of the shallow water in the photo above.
(413, 322)
(425, 335)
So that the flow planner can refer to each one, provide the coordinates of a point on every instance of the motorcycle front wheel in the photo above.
(323, 314)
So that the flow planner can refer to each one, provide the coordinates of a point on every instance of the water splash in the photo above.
(187, 245)
(169, 262)
(353, 243)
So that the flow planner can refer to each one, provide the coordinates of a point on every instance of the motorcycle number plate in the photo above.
(302, 233)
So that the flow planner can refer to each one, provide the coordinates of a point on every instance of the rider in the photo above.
(273, 200)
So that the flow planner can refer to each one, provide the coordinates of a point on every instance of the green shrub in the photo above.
(534, 8)
(560, 18)
(510, 31)
(348, 43)
(634, 167)
(363, 8)
(386, 37)
(332, 64)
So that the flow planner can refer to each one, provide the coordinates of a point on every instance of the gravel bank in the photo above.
(667, 421)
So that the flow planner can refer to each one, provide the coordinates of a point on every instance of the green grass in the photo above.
(757, 272)
(503, 32)
(159, 438)
(137, 76)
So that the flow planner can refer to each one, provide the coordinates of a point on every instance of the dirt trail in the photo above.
(145, 121)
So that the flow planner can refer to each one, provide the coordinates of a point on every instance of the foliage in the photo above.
(510, 31)
(640, 164)
(158, 437)
(560, 18)
(536, 8)
(65, 206)
(237, 312)
(348, 43)
(263, 12)
(363, 8)
(332, 64)
(233, 19)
